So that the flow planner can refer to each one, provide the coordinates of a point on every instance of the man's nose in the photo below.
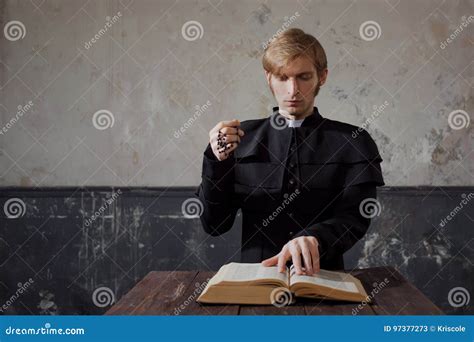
(292, 87)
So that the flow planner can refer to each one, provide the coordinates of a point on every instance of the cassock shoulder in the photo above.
(356, 150)
(353, 143)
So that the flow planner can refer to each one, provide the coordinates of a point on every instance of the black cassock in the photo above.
(293, 181)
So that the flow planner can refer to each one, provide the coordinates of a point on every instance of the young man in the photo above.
(298, 178)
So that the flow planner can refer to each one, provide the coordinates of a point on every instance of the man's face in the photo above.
(296, 87)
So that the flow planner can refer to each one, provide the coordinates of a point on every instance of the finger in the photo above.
(270, 261)
(296, 258)
(315, 258)
(223, 124)
(217, 129)
(220, 133)
(218, 151)
(233, 122)
(283, 257)
(314, 250)
(221, 142)
(225, 139)
(231, 138)
(225, 151)
(227, 147)
(229, 130)
(308, 263)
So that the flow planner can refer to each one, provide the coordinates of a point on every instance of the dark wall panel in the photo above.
(68, 255)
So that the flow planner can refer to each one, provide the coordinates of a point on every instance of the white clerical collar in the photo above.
(294, 123)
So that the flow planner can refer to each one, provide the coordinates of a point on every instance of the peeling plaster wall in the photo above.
(159, 94)
(151, 79)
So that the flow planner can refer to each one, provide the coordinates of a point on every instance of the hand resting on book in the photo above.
(303, 248)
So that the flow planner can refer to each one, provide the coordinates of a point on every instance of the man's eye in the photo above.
(306, 77)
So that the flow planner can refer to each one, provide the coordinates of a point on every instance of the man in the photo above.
(298, 178)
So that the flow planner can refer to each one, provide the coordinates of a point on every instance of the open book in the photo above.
(253, 283)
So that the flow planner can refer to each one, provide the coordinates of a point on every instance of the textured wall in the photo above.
(135, 59)
(120, 93)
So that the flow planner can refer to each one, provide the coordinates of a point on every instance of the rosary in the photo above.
(222, 145)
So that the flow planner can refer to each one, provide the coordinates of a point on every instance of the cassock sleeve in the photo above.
(350, 221)
(216, 194)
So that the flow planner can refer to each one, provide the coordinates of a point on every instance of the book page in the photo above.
(250, 271)
(334, 280)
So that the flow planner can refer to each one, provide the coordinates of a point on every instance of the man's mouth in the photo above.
(293, 103)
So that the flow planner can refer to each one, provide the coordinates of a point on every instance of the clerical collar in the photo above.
(312, 120)
(294, 123)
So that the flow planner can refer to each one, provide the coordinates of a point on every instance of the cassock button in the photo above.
(290, 215)
(293, 148)
(285, 195)
(290, 234)
(292, 165)
(292, 181)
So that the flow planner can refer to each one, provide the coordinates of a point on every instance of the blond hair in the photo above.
(290, 45)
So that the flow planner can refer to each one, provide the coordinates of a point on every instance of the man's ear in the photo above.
(324, 77)
(268, 76)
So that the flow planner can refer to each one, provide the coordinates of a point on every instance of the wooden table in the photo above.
(175, 293)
